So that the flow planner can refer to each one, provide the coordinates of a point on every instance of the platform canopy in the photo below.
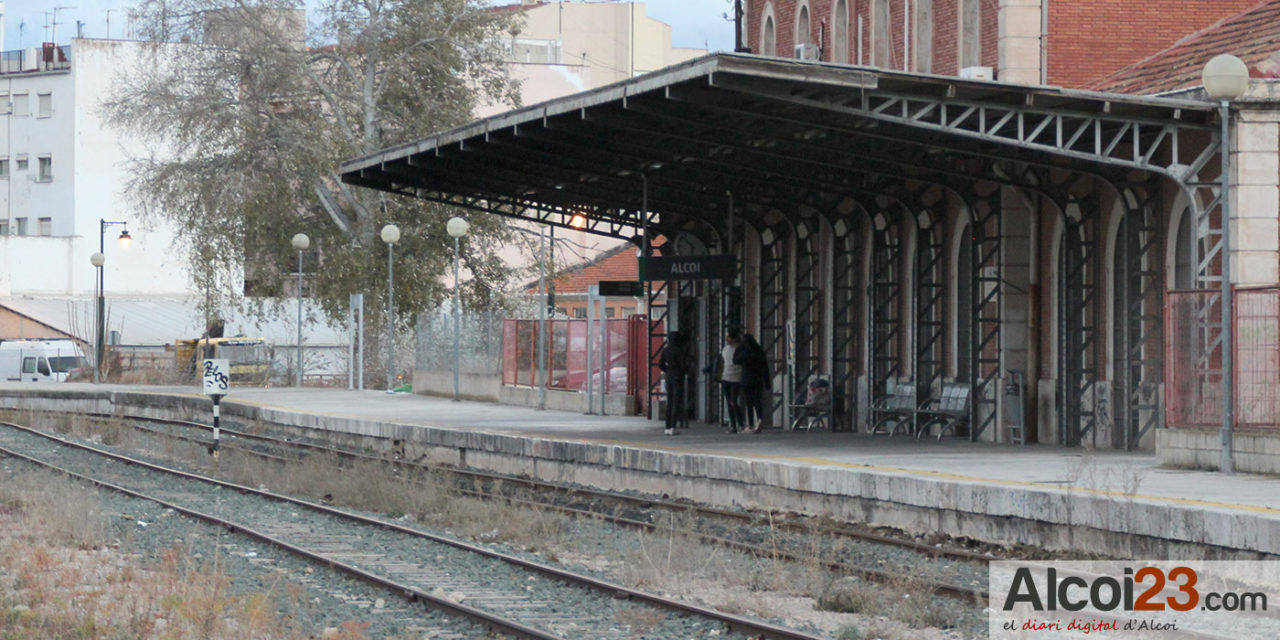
(781, 136)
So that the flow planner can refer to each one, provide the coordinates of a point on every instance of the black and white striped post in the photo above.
(217, 382)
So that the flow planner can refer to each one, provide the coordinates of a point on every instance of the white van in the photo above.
(40, 360)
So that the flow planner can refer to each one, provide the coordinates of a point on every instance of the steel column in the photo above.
(773, 303)
(1139, 281)
(886, 301)
(984, 364)
(845, 300)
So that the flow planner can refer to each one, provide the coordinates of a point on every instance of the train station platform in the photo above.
(1113, 503)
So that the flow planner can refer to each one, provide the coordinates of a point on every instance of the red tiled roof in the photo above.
(1253, 36)
(511, 8)
(618, 263)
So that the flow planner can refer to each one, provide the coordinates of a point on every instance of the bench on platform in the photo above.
(813, 407)
(896, 409)
(948, 410)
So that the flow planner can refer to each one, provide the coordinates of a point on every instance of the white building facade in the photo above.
(62, 171)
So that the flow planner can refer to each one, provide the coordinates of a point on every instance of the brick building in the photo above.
(1066, 42)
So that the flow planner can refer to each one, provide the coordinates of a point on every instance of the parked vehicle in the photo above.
(40, 360)
(248, 358)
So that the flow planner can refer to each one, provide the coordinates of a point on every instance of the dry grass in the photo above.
(59, 578)
(108, 431)
(639, 620)
(395, 492)
(671, 562)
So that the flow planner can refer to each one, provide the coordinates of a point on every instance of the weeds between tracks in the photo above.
(669, 560)
(66, 573)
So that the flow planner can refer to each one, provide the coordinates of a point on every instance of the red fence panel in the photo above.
(567, 355)
(509, 361)
(1193, 358)
(1257, 358)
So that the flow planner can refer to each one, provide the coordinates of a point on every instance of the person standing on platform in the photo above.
(677, 365)
(755, 381)
(731, 378)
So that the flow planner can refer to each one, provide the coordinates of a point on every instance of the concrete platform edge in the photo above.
(1096, 521)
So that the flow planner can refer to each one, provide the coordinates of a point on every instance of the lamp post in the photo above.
(100, 321)
(97, 260)
(1225, 78)
(457, 228)
(300, 242)
(390, 235)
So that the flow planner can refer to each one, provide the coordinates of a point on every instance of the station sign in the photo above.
(717, 267)
(622, 288)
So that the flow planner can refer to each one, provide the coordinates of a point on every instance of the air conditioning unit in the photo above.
(806, 52)
(977, 73)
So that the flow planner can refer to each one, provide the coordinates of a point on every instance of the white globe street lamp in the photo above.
(300, 243)
(391, 235)
(1225, 78)
(457, 227)
(98, 260)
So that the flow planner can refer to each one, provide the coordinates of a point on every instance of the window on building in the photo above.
(882, 38)
(580, 312)
(628, 311)
(4, 227)
(610, 312)
(922, 46)
(4, 168)
(6, 106)
(840, 33)
(44, 227)
(970, 34)
(22, 162)
(45, 166)
(44, 105)
(20, 226)
(20, 101)
(802, 26)
(769, 42)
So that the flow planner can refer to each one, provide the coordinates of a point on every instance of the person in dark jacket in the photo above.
(755, 381)
(677, 364)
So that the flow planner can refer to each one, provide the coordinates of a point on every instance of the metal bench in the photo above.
(808, 414)
(947, 410)
(897, 408)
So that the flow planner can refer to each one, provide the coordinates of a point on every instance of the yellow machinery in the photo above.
(248, 358)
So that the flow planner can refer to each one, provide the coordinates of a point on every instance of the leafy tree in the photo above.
(253, 108)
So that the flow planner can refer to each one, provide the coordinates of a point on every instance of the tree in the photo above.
(253, 115)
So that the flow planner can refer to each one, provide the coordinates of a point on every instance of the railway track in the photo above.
(673, 505)
(639, 511)
(507, 594)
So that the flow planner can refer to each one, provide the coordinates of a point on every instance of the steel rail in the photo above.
(410, 593)
(937, 587)
(732, 622)
(919, 547)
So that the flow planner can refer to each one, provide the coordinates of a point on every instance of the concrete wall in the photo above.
(486, 388)
(155, 262)
(1255, 194)
(559, 400)
(1252, 451)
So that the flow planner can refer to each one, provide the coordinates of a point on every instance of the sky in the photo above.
(694, 23)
